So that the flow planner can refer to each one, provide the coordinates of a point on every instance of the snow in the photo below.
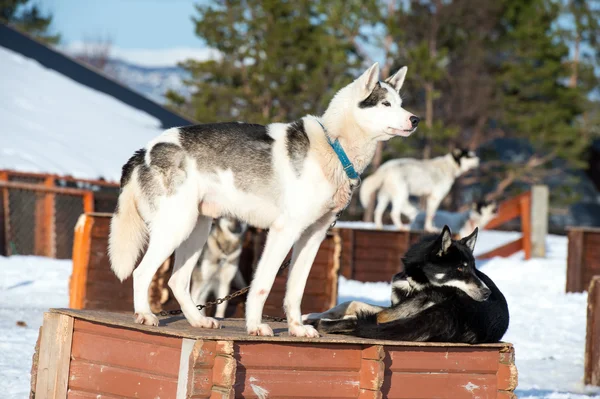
(547, 326)
(29, 286)
(150, 57)
(52, 124)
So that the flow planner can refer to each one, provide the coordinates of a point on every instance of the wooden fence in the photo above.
(583, 257)
(94, 286)
(592, 338)
(39, 211)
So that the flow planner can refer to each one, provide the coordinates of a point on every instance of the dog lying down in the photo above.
(439, 297)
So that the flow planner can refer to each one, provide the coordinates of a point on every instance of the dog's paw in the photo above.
(146, 318)
(300, 330)
(262, 329)
(433, 230)
(206, 322)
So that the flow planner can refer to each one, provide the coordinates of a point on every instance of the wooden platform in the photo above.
(89, 354)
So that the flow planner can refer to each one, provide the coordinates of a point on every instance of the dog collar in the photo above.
(341, 154)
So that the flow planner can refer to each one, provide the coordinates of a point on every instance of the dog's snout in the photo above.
(414, 120)
(485, 293)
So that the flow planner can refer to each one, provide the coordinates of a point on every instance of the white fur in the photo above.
(470, 289)
(396, 180)
(295, 209)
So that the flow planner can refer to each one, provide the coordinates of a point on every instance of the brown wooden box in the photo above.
(592, 339)
(90, 354)
(94, 286)
(583, 259)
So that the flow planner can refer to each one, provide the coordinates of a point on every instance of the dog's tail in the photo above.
(369, 186)
(128, 231)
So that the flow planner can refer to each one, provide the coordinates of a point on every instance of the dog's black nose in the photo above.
(414, 120)
(486, 292)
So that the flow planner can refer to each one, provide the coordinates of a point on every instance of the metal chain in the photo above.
(229, 297)
(244, 290)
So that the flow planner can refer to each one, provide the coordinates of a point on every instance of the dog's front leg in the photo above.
(303, 256)
(278, 245)
(433, 202)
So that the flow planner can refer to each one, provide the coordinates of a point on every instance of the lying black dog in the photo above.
(439, 297)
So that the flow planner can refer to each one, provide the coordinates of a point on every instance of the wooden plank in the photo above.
(81, 257)
(507, 211)
(187, 345)
(88, 202)
(525, 203)
(43, 189)
(297, 356)
(539, 220)
(54, 358)
(575, 254)
(505, 250)
(591, 373)
(421, 360)
(440, 385)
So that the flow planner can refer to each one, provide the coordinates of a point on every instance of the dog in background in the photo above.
(479, 215)
(439, 297)
(219, 263)
(396, 180)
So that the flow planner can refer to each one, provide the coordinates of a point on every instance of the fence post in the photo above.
(44, 244)
(539, 220)
(88, 202)
(525, 205)
(4, 216)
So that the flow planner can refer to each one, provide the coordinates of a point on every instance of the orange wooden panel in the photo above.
(288, 356)
(81, 255)
(439, 360)
(294, 384)
(103, 379)
(126, 353)
(508, 210)
(440, 385)
(126, 334)
(525, 204)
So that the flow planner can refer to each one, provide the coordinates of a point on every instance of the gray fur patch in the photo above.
(243, 148)
(378, 94)
(169, 160)
(297, 145)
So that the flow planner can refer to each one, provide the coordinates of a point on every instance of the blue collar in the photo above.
(341, 154)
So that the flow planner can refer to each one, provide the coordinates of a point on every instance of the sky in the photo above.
(130, 24)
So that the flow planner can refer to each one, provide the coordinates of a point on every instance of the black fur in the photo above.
(297, 144)
(136, 160)
(460, 153)
(378, 94)
(454, 317)
(244, 148)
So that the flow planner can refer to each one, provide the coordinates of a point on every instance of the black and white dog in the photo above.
(439, 297)
(291, 178)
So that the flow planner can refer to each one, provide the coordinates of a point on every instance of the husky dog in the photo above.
(290, 178)
(218, 265)
(479, 215)
(397, 179)
(440, 297)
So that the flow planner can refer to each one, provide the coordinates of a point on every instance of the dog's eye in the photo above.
(387, 103)
(460, 269)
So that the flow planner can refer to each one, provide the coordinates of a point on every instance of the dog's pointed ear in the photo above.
(457, 152)
(367, 81)
(397, 79)
(471, 239)
(443, 242)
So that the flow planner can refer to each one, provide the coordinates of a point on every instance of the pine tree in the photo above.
(279, 60)
(28, 18)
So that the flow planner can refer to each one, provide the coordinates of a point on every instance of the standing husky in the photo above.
(479, 215)
(219, 263)
(440, 297)
(397, 179)
(290, 178)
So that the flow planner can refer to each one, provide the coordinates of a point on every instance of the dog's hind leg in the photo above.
(226, 274)
(279, 242)
(346, 310)
(383, 201)
(186, 258)
(303, 256)
(433, 202)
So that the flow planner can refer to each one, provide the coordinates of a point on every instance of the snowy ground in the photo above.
(547, 326)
